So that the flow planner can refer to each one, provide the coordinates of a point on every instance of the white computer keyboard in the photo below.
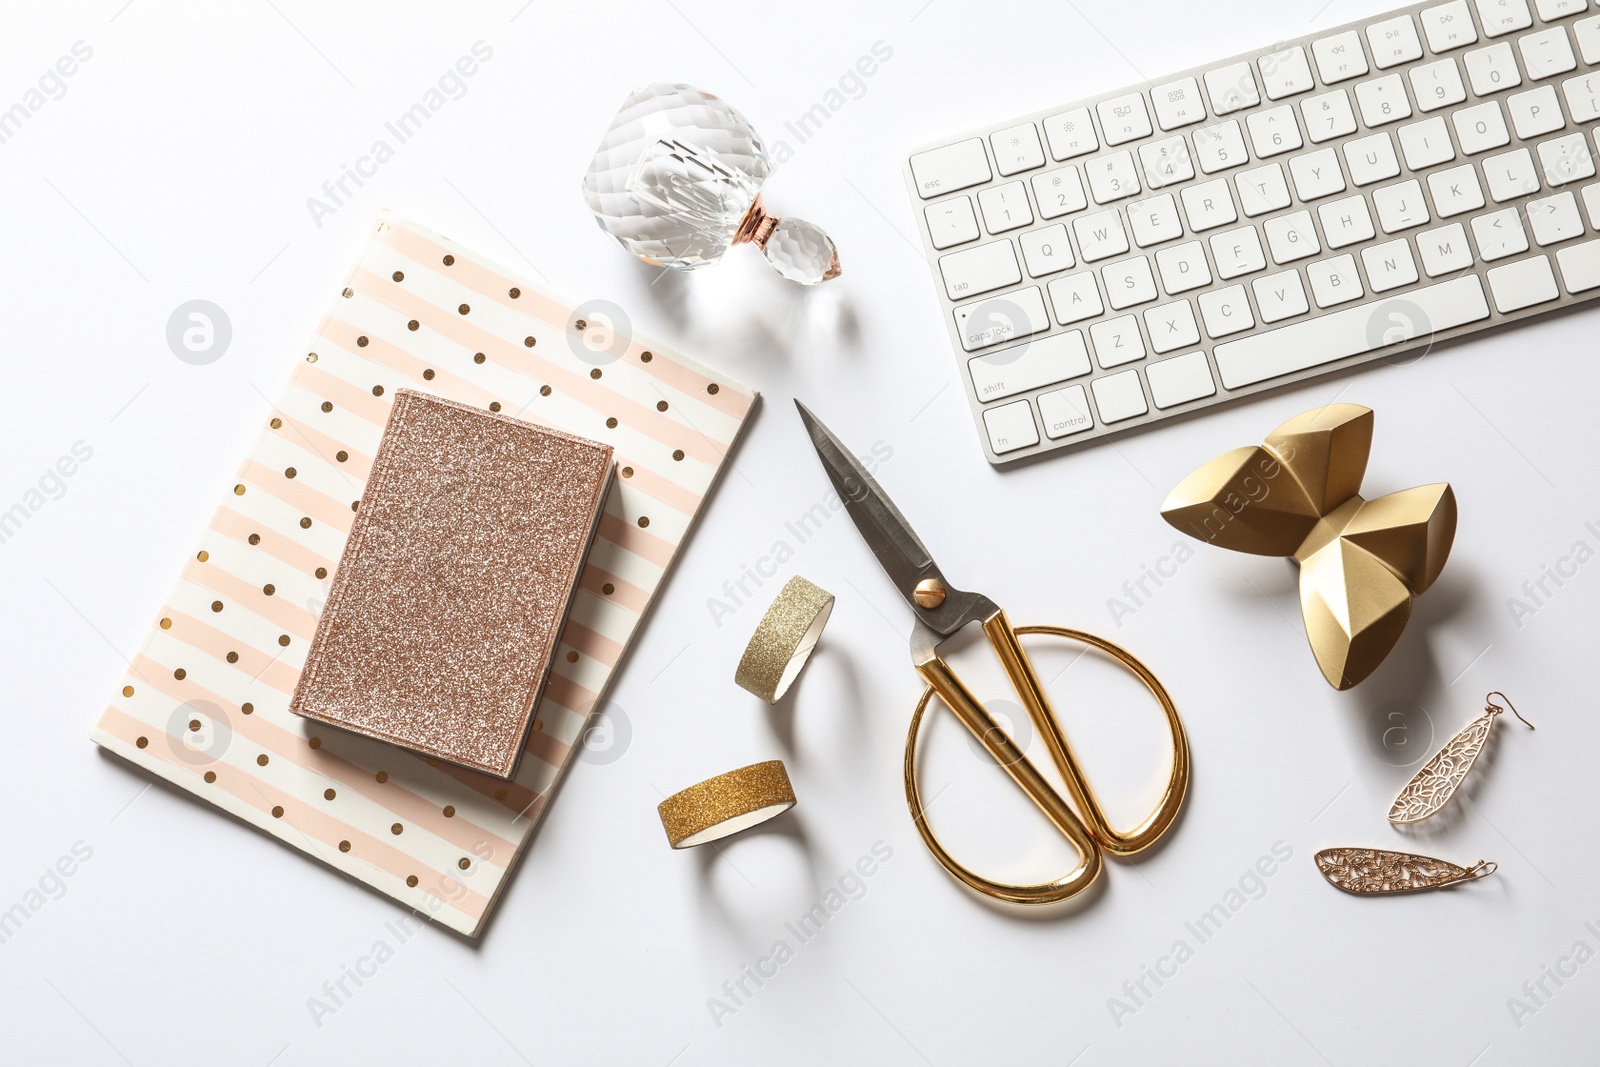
(1282, 214)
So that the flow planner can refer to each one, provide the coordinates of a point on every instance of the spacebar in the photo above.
(1351, 332)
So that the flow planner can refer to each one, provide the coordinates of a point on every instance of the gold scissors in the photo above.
(940, 611)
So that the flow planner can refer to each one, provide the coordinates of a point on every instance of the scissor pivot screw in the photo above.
(929, 593)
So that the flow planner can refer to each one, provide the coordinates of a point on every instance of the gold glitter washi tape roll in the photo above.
(784, 639)
(726, 804)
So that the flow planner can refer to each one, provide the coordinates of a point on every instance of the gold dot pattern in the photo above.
(282, 508)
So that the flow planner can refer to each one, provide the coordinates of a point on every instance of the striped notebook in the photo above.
(206, 703)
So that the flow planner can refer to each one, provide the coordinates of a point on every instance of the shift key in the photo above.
(1028, 366)
(978, 270)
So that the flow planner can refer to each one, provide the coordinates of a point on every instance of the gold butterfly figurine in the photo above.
(1298, 495)
(1442, 775)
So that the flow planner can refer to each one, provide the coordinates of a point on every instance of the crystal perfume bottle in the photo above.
(677, 181)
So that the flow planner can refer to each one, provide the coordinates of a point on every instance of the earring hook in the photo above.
(1514, 711)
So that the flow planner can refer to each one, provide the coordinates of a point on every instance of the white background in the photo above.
(178, 164)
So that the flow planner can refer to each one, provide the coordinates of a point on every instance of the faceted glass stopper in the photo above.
(676, 181)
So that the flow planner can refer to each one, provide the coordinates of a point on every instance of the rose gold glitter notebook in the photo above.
(205, 701)
(455, 582)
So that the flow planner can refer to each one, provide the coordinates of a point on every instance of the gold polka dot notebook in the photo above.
(206, 701)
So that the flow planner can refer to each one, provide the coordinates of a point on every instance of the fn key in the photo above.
(1010, 427)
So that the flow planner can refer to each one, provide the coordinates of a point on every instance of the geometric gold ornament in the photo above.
(1298, 495)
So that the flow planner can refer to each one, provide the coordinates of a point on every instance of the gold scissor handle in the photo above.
(1087, 840)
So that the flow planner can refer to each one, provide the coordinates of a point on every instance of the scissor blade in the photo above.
(886, 531)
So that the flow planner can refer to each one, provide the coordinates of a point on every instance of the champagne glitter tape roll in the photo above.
(726, 804)
(784, 639)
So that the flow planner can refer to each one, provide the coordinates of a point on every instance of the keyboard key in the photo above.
(1183, 267)
(956, 166)
(1445, 250)
(1583, 97)
(1010, 427)
(1334, 281)
(1226, 311)
(1016, 149)
(1591, 204)
(1237, 252)
(1129, 283)
(1111, 177)
(1503, 16)
(1426, 143)
(1059, 192)
(1123, 119)
(1550, 10)
(1328, 115)
(1119, 396)
(1046, 251)
(978, 270)
(1280, 296)
(1005, 207)
(1285, 73)
(1154, 220)
(1535, 112)
(1292, 237)
(1499, 234)
(951, 222)
(1316, 174)
(1448, 26)
(1262, 190)
(1065, 411)
(1070, 134)
(1002, 318)
(1180, 379)
(1383, 100)
(1566, 159)
(1587, 31)
(1100, 235)
(1492, 69)
(1117, 341)
(1481, 128)
(1171, 326)
(1555, 219)
(1165, 162)
(1371, 159)
(1389, 265)
(1075, 298)
(1209, 205)
(1220, 147)
(1510, 175)
(1231, 88)
(1519, 285)
(1546, 53)
(1580, 266)
(1400, 206)
(1339, 57)
(1178, 104)
(1437, 85)
(1042, 361)
(1346, 221)
(1455, 190)
(1315, 342)
(1274, 131)
(1394, 41)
